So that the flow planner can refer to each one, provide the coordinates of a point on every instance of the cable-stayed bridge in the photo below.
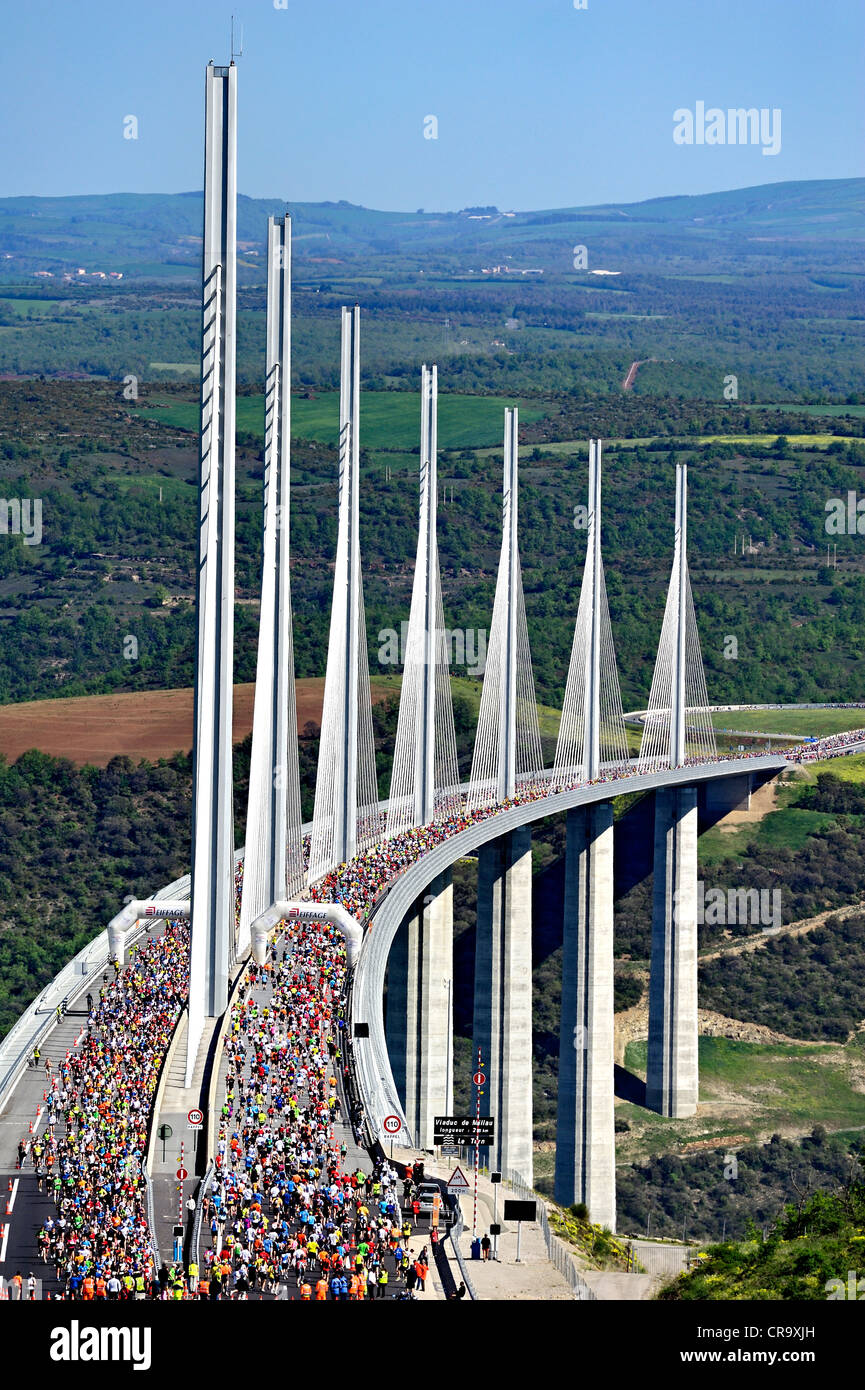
(380, 871)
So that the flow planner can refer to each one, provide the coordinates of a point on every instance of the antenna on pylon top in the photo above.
(239, 52)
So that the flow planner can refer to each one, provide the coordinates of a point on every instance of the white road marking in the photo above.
(4, 1237)
(10, 1200)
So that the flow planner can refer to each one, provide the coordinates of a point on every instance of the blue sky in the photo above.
(538, 104)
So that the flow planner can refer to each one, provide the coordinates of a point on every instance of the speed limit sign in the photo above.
(195, 1118)
(392, 1124)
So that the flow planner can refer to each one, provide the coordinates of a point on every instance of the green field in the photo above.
(798, 441)
(785, 829)
(850, 769)
(388, 419)
(798, 723)
(752, 1089)
(34, 308)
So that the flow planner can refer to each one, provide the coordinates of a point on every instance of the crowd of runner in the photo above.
(286, 1216)
(90, 1157)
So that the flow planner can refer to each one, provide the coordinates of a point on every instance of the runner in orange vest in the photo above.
(305, 1292)
(321, 1291)
(100, 1287)
(352, 1288)
(87, 1288)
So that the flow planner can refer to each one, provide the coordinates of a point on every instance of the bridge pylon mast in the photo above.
(678, 722)
(273, 865)
(425, 778)
(592, 729)
(345, 818)
(212, 944)
(507, 749)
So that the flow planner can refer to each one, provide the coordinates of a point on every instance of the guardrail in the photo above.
(557, 1252)
(456, 1230)
(67, 986)
(195, 1242)
(31, 1028)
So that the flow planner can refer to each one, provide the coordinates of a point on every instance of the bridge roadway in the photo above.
(373, 1070)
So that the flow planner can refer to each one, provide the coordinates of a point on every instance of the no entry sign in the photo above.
(479, 1078)
(182, 1174)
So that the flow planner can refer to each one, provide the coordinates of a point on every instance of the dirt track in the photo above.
(148, 724)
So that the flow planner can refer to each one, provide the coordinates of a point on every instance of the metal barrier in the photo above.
(151, 1217)
(557, 1252)
(670, 1260)
(195, 1242)
(454, 1233)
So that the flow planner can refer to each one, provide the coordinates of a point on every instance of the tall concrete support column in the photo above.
(212, 942)
(672, 1080)
(420, 1009)
(585, 1128)
(503, 995)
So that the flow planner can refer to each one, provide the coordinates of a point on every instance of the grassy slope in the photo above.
(388, 419)
(752, 1089)
(796, 722)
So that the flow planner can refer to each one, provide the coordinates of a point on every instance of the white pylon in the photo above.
(273, 862)
(212, 881)
(592, 728)
(678, 722)
(425, 778)
(345, 818)
(507, 749)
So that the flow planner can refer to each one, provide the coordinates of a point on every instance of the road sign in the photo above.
(392, 1124)
(516, 1210)
(458, 1182)
(450, 1150)
(479, 1078)
(195, 1118)
(460, 1129)
(165, 1131)
(182, 1174)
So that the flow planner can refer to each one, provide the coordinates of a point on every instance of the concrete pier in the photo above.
(585, 1127)
(672, 1080)
(503, 996)
(420, 1010)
